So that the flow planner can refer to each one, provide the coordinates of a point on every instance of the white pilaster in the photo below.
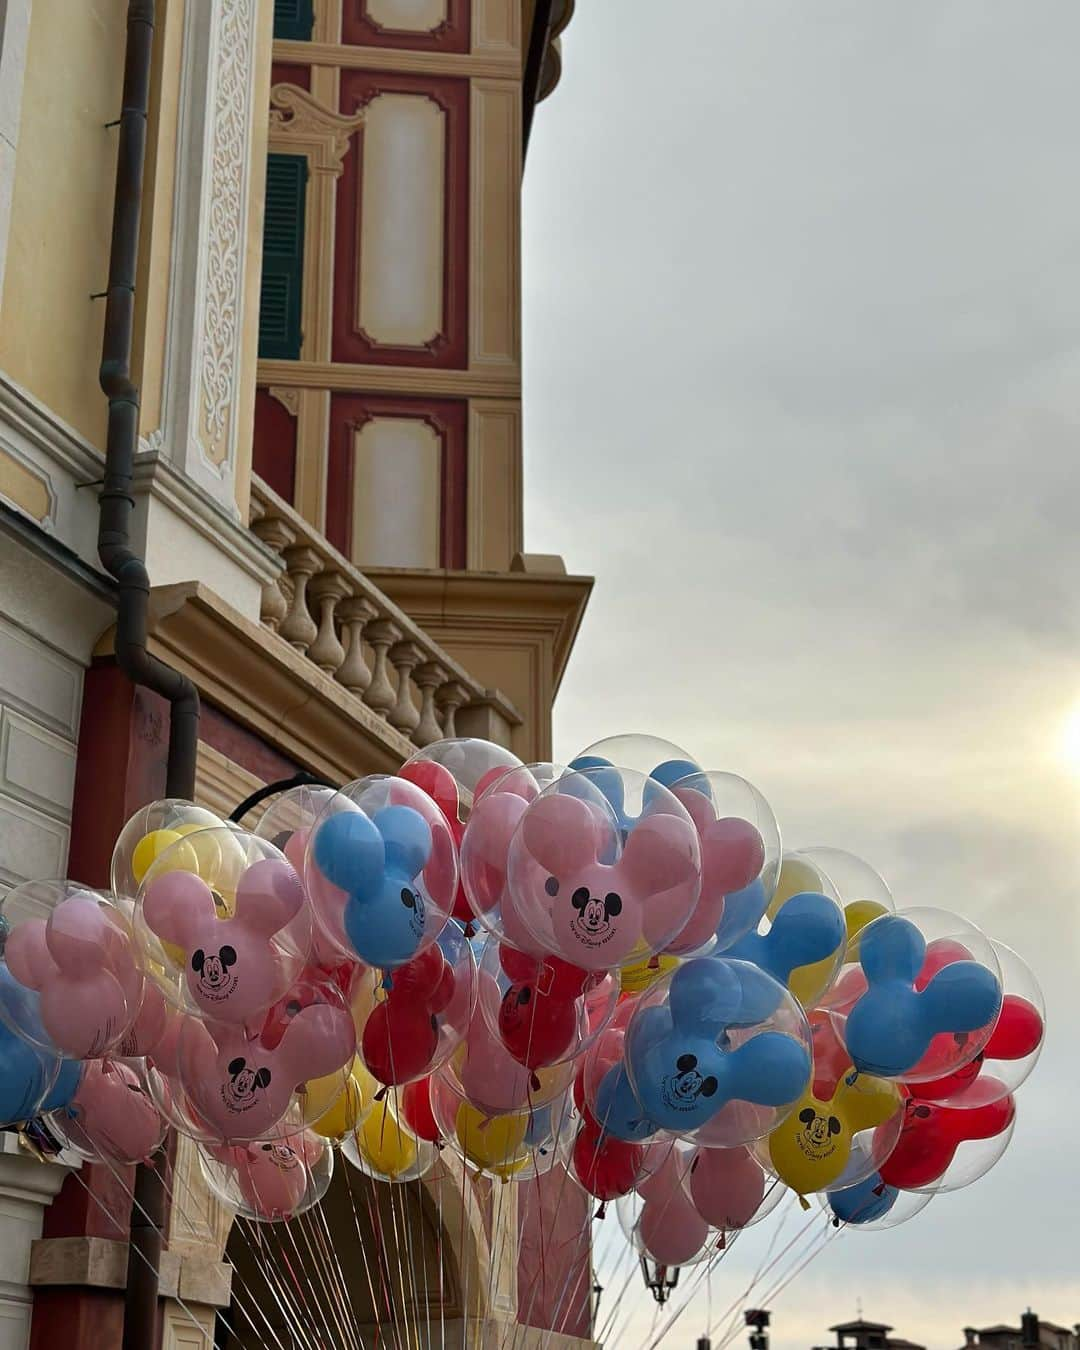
(27, 1187)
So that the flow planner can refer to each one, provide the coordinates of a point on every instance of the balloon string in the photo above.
(362, 1245)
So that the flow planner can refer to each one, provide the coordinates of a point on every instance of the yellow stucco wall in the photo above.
(58, 252)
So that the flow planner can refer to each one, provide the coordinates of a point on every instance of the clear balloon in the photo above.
(150, 832)
(641, 753)
(269, 1180)
(918, 997)
(873, 1207)
(512, 1146)
(223, 925)
(384, 849)
(111, 1116)
(604, 868)
(718, 1052)
(72, 948)
(861, 890)
(944, 1148)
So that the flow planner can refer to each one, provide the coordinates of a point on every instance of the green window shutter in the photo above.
(283, 257)
(294, 19)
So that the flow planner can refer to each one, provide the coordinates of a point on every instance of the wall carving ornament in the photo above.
(301, 124)
(226, 233)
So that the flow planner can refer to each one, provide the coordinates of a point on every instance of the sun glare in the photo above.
(1070, 740)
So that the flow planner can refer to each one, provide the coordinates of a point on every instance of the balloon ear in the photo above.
(769, 1070)
(1018, 1032)
(891, 948)
(867, 1102)
(176, 906)
(661, 853)
(268, 896)
(27, 954)
(437, 781)
(705, 997)
(317, 1042)
(561, 834)
(350, 853)
(963, 996)
(407, 838)
(808, 928)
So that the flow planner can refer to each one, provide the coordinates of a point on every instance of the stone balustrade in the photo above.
(327, 609)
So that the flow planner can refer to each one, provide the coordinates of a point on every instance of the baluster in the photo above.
(405, 657)
(327, 589)
(381, 694)
(276, 535)
(298, 628)
(353, 613)
(451, 696)
(428, 678)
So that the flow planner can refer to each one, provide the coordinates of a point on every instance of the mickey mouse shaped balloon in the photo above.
(598, 887)
(388, 847)
(812, 1149)
(715, 1033)
(241, 950)
(931, 996)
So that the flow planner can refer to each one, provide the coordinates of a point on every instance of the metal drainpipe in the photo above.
(129, 569)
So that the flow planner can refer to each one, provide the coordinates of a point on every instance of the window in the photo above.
(294, 19)
(283, 258)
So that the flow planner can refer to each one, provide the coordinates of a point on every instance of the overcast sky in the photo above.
(802, 305)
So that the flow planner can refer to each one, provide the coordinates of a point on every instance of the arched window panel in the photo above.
(396, 482)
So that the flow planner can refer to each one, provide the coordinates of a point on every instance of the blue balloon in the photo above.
(683, 1064)
(376, 862)
(618, 1111)
(742, 914)
(673, 771)
(808, 928)
(890, 1027)
(864, 1202)
(64, 1089)
(27, 1075)
(607, 779)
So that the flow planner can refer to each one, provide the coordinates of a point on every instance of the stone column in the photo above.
(27, 1188)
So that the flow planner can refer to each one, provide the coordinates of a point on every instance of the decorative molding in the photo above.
(25, 486)
(288, 398)
(226, 239)
(495, 225)
(301, 124)
(497, 31)
(375, 22)
(463, 66)
(439, 22)
(409, 380)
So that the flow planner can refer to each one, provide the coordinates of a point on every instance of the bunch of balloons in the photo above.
(610, 967)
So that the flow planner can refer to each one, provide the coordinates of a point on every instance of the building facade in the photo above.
(328, 498)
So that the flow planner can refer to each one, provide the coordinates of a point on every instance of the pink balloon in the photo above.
(732, 856)
(242, 1089)
(84, 1007)
(149, 1026)
(491, 1078)
(272, 1175)
(485, 846)
(670, 1229)
(111, 1114)
(236, 967)
(727, 1186)
(597, 914)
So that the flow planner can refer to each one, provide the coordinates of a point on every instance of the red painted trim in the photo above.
(450, 348)
(243, 747)
(78, 1319)
(348, 413)
(274, 449)
(359, 29)
(285, 72)
(120, 765)
(103, 1211)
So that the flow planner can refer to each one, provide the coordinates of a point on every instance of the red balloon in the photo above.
(399, 1041)
(931, 1134)
(416, 1110)
(419, 978)
(604, 1165)
(1016, 1034)
(551, 974)
(537, 1029)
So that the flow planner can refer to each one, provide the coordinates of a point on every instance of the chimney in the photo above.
(971, 1336)
(1029, 1330)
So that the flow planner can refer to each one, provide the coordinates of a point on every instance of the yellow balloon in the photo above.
(493, 1143)
(643, 975)
(810, 1150)
(384, 1143)
(149, 848)
(346, 1106)
(796, 876)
